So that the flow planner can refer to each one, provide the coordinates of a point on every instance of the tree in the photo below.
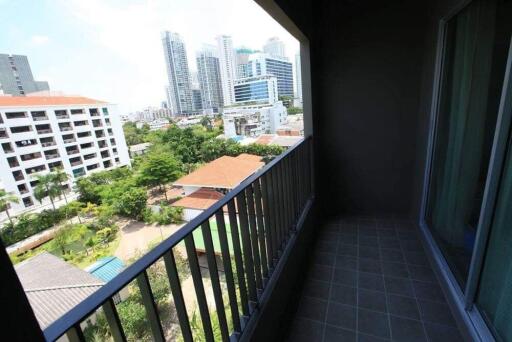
(206, 122)
(46, 187)
(5, 199)
(294, 110)
(131, 203)
(287, 100)
(61, 177)
(158, 169)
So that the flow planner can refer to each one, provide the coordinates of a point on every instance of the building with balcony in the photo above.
(389, 222)
(42, 135)
(252, 120)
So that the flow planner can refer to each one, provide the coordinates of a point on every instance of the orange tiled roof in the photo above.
(22, 101)
(224, 172)
(201, 199)
(264, 139)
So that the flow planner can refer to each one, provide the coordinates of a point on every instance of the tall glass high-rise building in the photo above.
(275, 48)
(208, 72)
(179, 93)
(16, 76)
(227, 68)
(263, 64)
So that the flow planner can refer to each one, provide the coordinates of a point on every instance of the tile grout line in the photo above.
(330, 288)
(387, 302)
(357, 282)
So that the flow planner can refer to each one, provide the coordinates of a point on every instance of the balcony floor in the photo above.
(370, 280)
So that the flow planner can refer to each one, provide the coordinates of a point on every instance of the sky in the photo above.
(111, 49)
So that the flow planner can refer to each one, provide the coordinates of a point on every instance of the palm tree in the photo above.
(46, 187)
(5, 199)
(61, 177)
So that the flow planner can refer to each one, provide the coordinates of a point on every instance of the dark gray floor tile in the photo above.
(429, 291)
(408, 235)
(368, 241)
(346, 262)
(345, 277)
(324, 259)
(389, 243)
(392, 255)
(371, 281)
(349, 250)
(422, 273)
(343, 294)
(319, 272)
(305, 330)
(411, 245)
(350, 239)
(388, 232)
(369, 338)
(373, 323)
(316, 289)
(442, 333)
(369, 252)
(436, 312)
(341, 315)
(394, 269)
(369, 266)
(312, 308)
(326, 236)
(403, 306)
(401, 286)
(326, 247)
(371, 300)
(336, 334)
(416, 258)
(406, 330)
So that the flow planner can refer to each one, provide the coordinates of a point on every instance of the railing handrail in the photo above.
(107, 291)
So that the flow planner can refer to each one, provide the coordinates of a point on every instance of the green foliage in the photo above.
(287, 100)
(134, 135)
(131, 203)
(158, 169)
(5, 199)
(216, 148)
(29, 224)
(167, 215)
(294, 110)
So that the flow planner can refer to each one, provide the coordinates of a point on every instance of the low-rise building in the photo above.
(253, 119)
(258, 89)
(139, 149)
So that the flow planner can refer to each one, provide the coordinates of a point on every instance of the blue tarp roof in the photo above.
(106, 268)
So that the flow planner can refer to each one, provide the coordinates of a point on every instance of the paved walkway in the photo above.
(135, 237)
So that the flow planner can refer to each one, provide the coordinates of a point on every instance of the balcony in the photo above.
(266, 212)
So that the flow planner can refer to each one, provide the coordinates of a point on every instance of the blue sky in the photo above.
(111, 49)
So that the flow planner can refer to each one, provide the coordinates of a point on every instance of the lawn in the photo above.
(75, 246)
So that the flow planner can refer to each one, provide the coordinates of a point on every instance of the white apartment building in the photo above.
(39, 134)
(227, 68)
(253, 120)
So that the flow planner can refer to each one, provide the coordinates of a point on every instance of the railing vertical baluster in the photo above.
(246, 246)
(214, 277)
(116, 329)
(280, 191)
(253, 233)
(195, 271)
(261, 227)
(177, 295)
(151, 309)
(302, 176)
(288, 178)
(295, 185)
(226, 259)
(309, 145)
(268, 217)
(277, 213)
(75, 334)
(235, 236)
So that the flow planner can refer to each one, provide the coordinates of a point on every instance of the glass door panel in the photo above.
(475, 55)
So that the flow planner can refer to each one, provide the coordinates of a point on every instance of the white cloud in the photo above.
(127, 34)
(39, 40)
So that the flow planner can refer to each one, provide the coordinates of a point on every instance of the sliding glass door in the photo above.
(469, 200)
(475, 53)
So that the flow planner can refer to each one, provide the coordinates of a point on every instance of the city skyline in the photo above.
(121, 54)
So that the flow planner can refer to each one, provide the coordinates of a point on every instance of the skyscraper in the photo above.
(275, 48)
(227, 68)
(242, 58)
(298, 77)
(263, 64)
(16, 76)
(208, 72)
(179, 94)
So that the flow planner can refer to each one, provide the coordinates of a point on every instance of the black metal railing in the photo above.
(262, 215)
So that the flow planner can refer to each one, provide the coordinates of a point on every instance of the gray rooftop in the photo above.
(53, 286)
